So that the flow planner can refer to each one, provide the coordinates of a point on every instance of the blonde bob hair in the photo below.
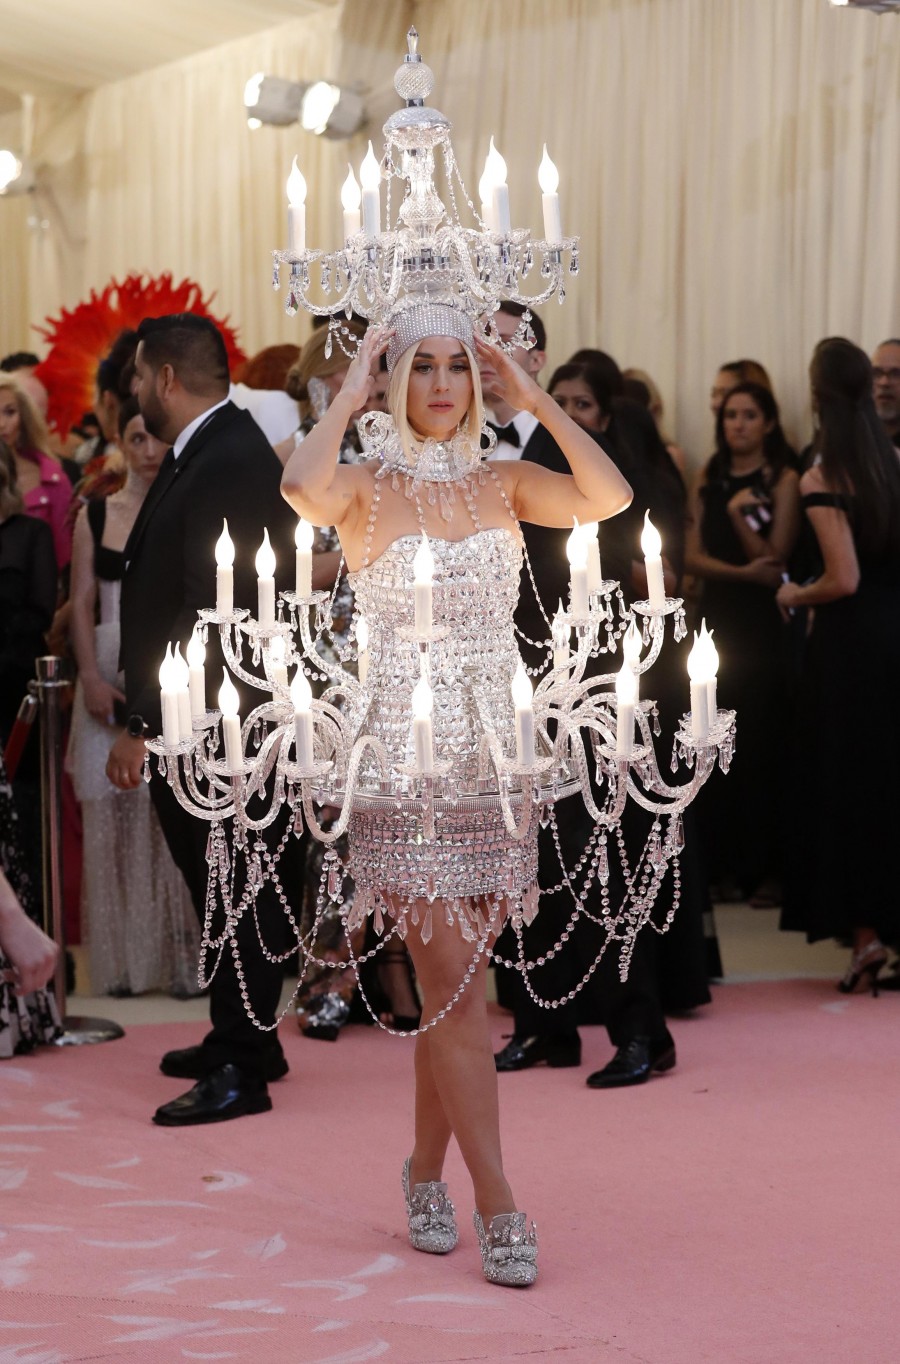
(472, 422)
(33, 433)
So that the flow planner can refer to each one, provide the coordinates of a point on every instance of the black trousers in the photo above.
(233, 1036)
(627, 1009)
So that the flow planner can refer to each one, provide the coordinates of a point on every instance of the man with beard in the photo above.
(886, 386)
(220, 468)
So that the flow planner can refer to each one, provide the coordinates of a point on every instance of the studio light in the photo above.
(330, 111)
(273, 100)
(16, 173)
(874, 6)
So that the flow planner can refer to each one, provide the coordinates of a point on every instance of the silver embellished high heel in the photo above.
(432, 1217)
(508, 1249)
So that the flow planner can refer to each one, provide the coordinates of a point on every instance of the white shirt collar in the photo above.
(526, 423)
(194, 426)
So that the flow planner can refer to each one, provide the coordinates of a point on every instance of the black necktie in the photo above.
(509, 433)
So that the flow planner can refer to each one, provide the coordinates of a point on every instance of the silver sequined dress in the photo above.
(476, 586)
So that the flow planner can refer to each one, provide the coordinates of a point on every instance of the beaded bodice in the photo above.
(476, 586)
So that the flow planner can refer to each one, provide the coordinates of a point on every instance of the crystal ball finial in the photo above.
(414, 81)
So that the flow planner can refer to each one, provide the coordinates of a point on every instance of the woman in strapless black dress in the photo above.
(743, 521)
(846, 810)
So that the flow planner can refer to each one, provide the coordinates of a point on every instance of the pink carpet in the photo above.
(743, 1210)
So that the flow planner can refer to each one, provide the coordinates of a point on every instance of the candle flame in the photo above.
(495, 166)
(370, 171)
(229, 701)
(521, 688)
(224, 548)
(710, 652)
(296, 187)
(696, 664)
(651, 543)
(351, 194)
(626, 685)
(168, 678)
(423, 563)
(180, 671)
(301, 691)
(303, 535)
(631, 645)
(576, 546)
(548, 175)
(196, 649)
(265, 558)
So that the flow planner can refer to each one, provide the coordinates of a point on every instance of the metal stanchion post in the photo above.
(76, 1031)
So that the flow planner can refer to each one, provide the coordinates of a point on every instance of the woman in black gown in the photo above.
(743, 521)
(841, 882)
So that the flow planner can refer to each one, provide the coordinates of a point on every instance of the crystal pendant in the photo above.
(426, 929)
(603, 862)
(328, 345)
(573, 264)
(676, 833)
(276, 281)
(292, 306)
(334, 879)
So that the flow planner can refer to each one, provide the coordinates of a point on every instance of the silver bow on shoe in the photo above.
(432, 1217)
(508, 1249)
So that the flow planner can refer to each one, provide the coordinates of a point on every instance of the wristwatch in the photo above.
(136, 727)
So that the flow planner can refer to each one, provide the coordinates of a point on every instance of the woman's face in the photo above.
(724, 380)
(578, 402)
(440, 387)
(143, 453)
(10, 421)
(744, 425)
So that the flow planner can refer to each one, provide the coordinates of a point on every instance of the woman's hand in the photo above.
(765, 572)
(511, 384)
(32, 953)
(357, 387)
(744, 497)
(100, 698)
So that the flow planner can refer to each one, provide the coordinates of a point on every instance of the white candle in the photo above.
(303, 539)
(362, 650)
(351, 198)
(485, 194)
(224, 573)
(182, 676)
(265, 568)
(168, 682)
(423, 738)
(548, 179)
(697, 666)
(560, 639)
(591, 531)
(423, 569)
(711, 668)
(231, 725)
(196, 657)
(301, 696)
(631, 653)
(370, 175)
(651, 545)
(626, 695)
(576, 552)
(296, 193)
(277, 656)
(523, 701)
(499, 190)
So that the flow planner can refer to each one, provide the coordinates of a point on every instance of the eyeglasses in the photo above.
(892, 375)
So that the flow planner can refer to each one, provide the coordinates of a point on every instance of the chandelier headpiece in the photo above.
(425, 258)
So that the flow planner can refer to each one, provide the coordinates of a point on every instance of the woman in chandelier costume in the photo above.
(428, 475)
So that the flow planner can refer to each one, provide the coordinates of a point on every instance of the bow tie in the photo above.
(509, 433)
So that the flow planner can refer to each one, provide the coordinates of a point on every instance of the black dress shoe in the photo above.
(522, 1052)
(222, 1094)
(192, 1063)
(634, 1063)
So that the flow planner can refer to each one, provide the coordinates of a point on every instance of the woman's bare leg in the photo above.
(456, 1078)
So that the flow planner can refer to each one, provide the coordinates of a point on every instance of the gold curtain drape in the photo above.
(732, 168)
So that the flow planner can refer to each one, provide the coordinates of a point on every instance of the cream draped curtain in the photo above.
(731, 167)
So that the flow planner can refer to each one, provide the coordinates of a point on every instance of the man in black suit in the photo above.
(632, 1012)
(220, 467)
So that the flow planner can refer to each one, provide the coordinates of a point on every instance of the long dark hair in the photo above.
(777, 454)
(592, 376)
(855, 453)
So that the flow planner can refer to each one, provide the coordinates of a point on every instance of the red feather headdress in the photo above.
(80, 338)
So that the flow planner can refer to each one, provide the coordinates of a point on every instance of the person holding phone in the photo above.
(137, 918)
(743, 522)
